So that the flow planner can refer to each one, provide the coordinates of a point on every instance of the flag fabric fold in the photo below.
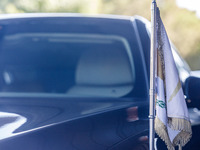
(172, 122)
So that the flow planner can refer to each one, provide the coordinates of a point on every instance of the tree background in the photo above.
(183, 26)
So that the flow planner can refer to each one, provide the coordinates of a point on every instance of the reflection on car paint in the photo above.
(9, 122)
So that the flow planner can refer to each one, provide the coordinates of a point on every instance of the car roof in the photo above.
(46, 15)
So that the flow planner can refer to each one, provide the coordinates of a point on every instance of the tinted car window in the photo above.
(70, 57)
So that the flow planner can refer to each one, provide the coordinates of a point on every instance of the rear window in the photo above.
(37, 59)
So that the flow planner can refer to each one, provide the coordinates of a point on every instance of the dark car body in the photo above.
(52, 100)
(73, 82)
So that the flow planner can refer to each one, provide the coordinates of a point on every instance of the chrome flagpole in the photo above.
(153, 57)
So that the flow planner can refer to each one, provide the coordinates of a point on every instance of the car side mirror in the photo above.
(192, 91)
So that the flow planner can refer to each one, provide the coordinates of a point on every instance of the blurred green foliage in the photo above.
(183, 26)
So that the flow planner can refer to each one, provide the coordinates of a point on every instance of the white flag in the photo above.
(172, 122)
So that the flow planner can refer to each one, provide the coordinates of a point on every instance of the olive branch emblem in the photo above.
(160, 103)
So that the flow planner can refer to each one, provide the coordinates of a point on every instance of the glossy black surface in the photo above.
(72, 123)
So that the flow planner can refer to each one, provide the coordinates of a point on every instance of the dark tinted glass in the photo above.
(71, 56)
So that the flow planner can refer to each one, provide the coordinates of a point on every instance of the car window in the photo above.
(43, 59)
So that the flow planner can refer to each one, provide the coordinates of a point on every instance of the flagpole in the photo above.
(152, 76)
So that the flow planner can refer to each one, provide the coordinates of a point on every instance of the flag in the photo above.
(172, 122)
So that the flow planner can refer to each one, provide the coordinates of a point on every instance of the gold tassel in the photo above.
(176, 124)
(181, 125)
(161, 130)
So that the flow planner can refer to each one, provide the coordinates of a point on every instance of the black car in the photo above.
(74, 82)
